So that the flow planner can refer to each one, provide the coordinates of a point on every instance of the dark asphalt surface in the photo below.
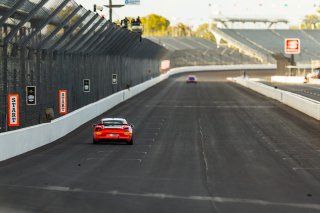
(208, 147)
(308, 90)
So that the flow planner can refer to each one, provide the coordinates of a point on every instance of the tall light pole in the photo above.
(110, 6)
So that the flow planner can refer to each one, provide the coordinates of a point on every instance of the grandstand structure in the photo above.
(265, 43)
(243, 45)
(192, 51)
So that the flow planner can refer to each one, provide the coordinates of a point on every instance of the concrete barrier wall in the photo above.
(222, 68)
(308, 106)
(288, 79)
(260, 88)
(268, 91)
(314, 81)
(17, 142)
(20, 141)
(305, 105)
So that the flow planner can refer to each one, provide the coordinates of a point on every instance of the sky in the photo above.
(196, 12)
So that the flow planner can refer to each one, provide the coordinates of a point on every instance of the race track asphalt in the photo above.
(213, 146)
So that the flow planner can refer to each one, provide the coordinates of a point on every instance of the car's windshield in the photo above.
(113, 122)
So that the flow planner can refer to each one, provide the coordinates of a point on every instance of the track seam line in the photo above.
(213, 204)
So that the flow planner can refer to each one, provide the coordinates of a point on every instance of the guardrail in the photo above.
(20, 141)
(306, 105)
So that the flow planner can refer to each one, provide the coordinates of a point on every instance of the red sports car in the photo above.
(113, 129)
(191, 79)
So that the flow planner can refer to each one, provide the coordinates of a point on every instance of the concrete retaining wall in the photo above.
(298, 102)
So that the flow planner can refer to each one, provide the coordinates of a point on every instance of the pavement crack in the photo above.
(205, 162)
(202, 148)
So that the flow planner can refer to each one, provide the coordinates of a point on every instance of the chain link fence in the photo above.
(56, 44)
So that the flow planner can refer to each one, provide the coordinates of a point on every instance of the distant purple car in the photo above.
(191, 79)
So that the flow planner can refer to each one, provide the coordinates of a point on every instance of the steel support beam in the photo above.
(80, 33)
(135, 52)
(141, 51)
(120, 44)
(15, 30)
(96, 42)
(69, 31)
(115, 42)
(54, 32)
(106, 36)
(11, 11)
(131, 46)
(96, 36)
(4, 82)
(105, 42)
(26, 40)
(85, 37)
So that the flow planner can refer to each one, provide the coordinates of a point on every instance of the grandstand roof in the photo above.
(251, 20)
(269, 22)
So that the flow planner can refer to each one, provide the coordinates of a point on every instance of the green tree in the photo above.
(64, 13)
(203, 32)
(155, 24)
(180, 29)
(311, 21)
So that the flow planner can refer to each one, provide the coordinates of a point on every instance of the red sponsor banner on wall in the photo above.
(292, 46)
(165, 66)
(63, 102)
(13, 110)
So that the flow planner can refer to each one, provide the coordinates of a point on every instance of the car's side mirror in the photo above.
(94, 125)
(132, 125)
